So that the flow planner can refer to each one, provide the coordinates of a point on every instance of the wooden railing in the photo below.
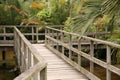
(32, 66)
(6, 37)
(31, 32)
(56, 39)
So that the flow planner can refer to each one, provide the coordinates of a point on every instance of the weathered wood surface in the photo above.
(32, 66)
(57, 68)
(7, 34)
(52, 39)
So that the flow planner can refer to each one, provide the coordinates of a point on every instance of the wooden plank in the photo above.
(57, 68)
(2, 45)
(87, 56)
(75, 65)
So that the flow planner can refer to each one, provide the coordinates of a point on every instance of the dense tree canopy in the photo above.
(74, 13)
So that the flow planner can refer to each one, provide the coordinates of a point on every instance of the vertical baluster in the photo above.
(48, 41)
(36, 76)
(57, 37)
(92, 55)
(20, 53)
(37, 34)
(70, 45)
(15, 42)
(21, 67)
(25, 56)
(32, 60)
(79, 56)
(46, 32)
(62, 39)
(108, 73)
(43, 74)
(4, 30)
(52, 37)
(61, 28)
(18, 50)
(27, 67)
(32, 34)
(29, 58)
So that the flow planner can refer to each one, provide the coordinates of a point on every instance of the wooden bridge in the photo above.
(58, 58)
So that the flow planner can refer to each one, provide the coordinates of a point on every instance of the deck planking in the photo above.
(57, 68)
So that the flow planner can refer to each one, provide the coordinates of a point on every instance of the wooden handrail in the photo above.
(88, 38)
(31, 64)
(6, 35)
(31, 72)
(54, 42)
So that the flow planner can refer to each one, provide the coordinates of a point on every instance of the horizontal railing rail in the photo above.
(31, 32)
(57, 43)
(32, 66)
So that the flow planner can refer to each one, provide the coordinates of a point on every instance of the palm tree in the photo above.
(86, 16)
(91, 10)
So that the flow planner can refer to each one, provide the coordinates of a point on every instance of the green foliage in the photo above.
(44, 16)
(112, 8)
(7, 14)
(56, 13)
(59, 11)
(89, 12)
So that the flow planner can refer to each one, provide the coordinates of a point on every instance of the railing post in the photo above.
(37, 34)
(108, 73)
(32, 60)
(70, 45)
(26, 57)
(79, 56)
(47, 33)
(43, 74)
(4, 29)
(36, 76)
(92, 55)
(62, 39)
(29, 58)
(52, 35)
(20, 45)
(18, 50)
(22, 56)
(32, 34)
(57, 37)
(15, 42)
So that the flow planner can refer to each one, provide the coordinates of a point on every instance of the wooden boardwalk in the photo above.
(57, 68)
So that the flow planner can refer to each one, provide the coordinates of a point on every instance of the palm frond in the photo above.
(88, 14)
(112, 8)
